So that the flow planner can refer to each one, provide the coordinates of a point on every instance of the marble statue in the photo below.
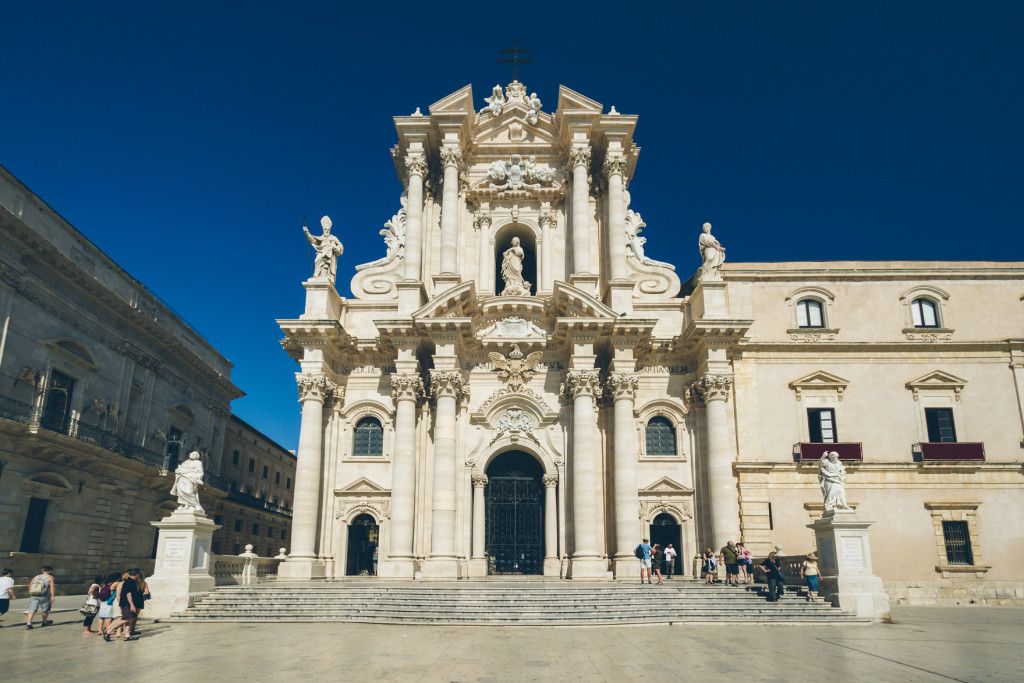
(534, 113)
(713, 253)
(328, 249)
(187, 479)
(535, 172)
(512, 271)
(516, 369)
(832, 477)
(495, 102)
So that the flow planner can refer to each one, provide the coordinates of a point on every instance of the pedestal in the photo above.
(626, 568)
(620, 296)
(586, 282)
(322, 300)
(844, 560)
(183, 571)
(441, 568)
(301, 569)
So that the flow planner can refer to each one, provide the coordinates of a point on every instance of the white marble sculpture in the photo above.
(516, 174)
(713, 253)
(394, 236)
(515, 370)
(187, 479)
(832, 477)
(495, 102)
(328, 249)
(512, 271)
(534, 113)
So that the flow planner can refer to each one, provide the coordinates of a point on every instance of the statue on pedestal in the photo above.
(328, 249)
(495, 103)
(832, 477)
(512, 271)
(187, 479)
(713, 253)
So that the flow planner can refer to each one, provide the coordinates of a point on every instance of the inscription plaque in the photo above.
(174, 553)
(853, 553)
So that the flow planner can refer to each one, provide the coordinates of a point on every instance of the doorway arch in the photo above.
(363, 535)
(514, 514)
(666, 529)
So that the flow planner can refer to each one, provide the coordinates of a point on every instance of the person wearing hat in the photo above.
(809, 572)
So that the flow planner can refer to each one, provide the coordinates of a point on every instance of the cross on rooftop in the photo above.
(516, 60)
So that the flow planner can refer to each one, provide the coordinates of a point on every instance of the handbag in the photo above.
(90, 608)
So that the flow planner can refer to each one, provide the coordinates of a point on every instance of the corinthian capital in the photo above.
(579, 155)
(623, 385)
(479, 480)
(582, 383)
(451, 156)
(406, 386)
(445, 384)
(546, 218)
(550, 480)
(314, 387)
(416, 166)
(337, 398)
(713, 387)
(614, 165)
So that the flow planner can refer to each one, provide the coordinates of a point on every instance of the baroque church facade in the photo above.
(517, 387)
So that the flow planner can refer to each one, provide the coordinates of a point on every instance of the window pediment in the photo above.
(361, 486)
(819, 380)
(666, 486)
(937, 380)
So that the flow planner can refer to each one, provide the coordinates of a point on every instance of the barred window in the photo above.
(369, 437)
(958, 543)
(661, 437)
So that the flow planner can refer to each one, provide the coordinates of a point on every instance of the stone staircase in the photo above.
(511, 602)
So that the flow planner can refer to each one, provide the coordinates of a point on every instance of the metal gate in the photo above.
(515, 525)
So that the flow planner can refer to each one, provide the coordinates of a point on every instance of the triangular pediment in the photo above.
(361, 486)
(570, 302)
(937, 379)
(457, 302)
(570, 100)
(820, 380)
(511, 129)
(666, 486)
(459, 101)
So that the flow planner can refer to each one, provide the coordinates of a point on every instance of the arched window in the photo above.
(661, 437)
(810, 314)
(925, 313)
(369, 437)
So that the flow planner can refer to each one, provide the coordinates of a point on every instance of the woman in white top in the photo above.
(6, 591)
(94, 599)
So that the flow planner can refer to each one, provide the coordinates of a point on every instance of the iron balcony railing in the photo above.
(15, 410)
(253, 501)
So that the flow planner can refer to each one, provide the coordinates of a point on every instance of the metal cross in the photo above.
(516, 59)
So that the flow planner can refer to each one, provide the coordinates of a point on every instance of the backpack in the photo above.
(39, 586)
(105, 592)
(639, 552)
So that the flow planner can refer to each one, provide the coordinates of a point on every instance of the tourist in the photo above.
(670, 561)
(729, 559)
(42, 592)
(6, 591)
(129, 598)
(107, 596)
(773, 568)
(657, 557)
(93, 599)
(376, 557)
(742, 556)
(709, 565)
(643, 552)
(143, 597)
(809, 572)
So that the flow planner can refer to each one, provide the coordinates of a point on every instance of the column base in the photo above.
(589, 569)
(440, 568)
(397, 568)
(478, 567)
(552, 566)
(301, 569)
(627, 567)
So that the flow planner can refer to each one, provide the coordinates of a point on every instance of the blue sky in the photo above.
(187, 139)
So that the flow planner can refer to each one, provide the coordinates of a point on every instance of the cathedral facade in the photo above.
(517, 387)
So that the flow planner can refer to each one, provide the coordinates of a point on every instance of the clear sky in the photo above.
(187, 139)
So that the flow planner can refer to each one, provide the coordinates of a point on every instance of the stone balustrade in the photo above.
(245, 569)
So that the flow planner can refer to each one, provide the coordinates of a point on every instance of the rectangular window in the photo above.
(821, 425)
(238, 548)
(255, 529)
(958, 543)
(277, 477)
(217, 519)
(173, 449)
(284, 533)
(266, 471)
(216, 548)
(234, 458)
(238, 525)
(940, 425)
(270, 532)
(33, 532)
(57, 402)
(252, 465)
(771, 522)
(288, 483)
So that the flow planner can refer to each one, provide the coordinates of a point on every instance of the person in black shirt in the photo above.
(773, 567)
(130, 598)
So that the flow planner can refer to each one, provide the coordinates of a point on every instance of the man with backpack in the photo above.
(42, 591)
(643, 553)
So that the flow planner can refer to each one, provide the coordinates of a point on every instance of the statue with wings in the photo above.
(515, 369)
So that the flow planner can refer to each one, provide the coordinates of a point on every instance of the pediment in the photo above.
(459, 101)
(457, 302)
(666, 486)
(361, 486)
(570, 302)
(937, 380)
(820, 380)
(570, 100)
(511, 129)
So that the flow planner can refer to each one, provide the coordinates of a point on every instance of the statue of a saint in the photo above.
(832, 477)
(495, 103)
(328, 249)
(512, 271)
(534, 113)
(712, 252)
(187, 479)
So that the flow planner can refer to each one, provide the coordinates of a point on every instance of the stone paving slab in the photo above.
(923, 644)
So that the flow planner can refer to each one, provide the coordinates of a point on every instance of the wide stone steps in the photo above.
(534, 603)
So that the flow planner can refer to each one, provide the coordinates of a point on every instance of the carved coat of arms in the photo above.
(516, 369)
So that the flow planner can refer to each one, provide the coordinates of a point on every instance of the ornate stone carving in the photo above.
(314, 387)
(519, 390)
(549, 480)
(446, 384)
(514, 420)
(623, 385)
(416, 166)
(519, 174)
(479, 481)
(582, 383)
(379, 510)
(337, 398)
(515, 370)
(513, 327)
(546, 219)
(712, 387)
(534, 113)
(579, 155)
(406, 386)
(495, 103)
(512, 271)
(614, 165)
(451, 156)
(328, 249)
(713, 254)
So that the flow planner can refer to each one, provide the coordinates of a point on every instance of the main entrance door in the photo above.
(664, 530)
(514, 522)
(362, 541)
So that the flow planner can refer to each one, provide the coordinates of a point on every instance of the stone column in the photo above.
(405, 390)
(587, 561)
(546, 272)
(483, 226)
(451, 160)
(579, 159)
(302, 562)
(551, 563)
(417, 167)
(614, 168)
(446, 387)
(478, 562)
(725, 510)
(627, 500)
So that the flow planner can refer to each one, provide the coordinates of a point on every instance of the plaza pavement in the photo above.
(923, 644)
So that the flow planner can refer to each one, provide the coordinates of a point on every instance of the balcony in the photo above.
(16, 411)
(947, 452)
(848, 451)
(258, 503)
